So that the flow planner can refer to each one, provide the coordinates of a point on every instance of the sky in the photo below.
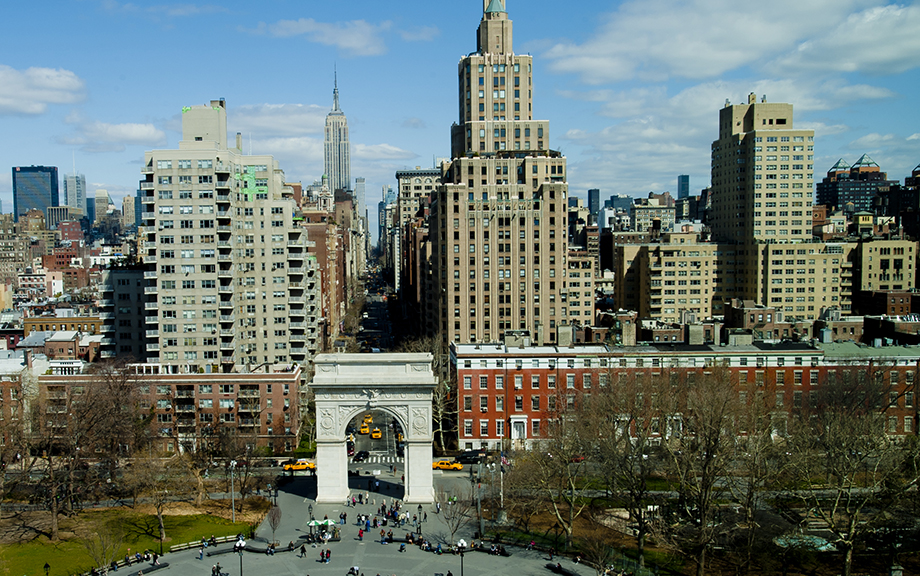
(632, 89)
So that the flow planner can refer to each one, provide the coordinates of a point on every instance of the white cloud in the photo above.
(267, 120)
(382, 152)
(821, 129)
(877, 41)
(661, 39)
(356, 37)
(420, 34)
(414, 123)
(30, 91)
(95, 136)
(897, 155)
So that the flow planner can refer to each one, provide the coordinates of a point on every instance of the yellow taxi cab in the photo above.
(368, 418)
(376, 434)
(365, 429)
(300, 464)
(399, 437)
(446, 465)
(351, 438)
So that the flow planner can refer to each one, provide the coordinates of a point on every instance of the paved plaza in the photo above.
(369, 555)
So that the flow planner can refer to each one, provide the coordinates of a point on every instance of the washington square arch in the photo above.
(345, 385)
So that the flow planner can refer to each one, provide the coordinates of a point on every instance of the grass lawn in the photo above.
(136, 532)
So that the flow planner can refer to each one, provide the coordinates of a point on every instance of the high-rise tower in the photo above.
(499, 218)
(75, 192)
(34, 187)
(336, 150)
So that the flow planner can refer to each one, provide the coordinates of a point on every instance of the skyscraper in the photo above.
(101, 203)
(683, 186)
(336, 150)
(594, 204)
(75, 192)
(34, 187)
(498, 221)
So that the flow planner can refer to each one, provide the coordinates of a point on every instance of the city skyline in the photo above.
(634, 97)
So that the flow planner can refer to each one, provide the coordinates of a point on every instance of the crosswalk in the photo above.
(384, 459)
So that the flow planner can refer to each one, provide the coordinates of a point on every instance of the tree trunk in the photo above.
(701, 563)
(55, 510)
(162, 525)
(848, 561)
(640, 545)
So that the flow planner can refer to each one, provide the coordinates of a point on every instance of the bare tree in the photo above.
(699, 450)
(560, 469)
(843, 445)
(274, 520)
(457, 511)
(628, 418)
(523, 501)
(160, 481)
(103, 540)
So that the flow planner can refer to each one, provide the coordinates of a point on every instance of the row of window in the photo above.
(485, 426)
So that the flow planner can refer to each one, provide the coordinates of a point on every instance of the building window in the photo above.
(518, 403)
(534, 428)
(483, 382)
(535, 403)
(467, 403)
(467, 427)
(467, 382)
(483, 428)
(534, 382)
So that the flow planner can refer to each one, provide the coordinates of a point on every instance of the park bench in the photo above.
(560, 570)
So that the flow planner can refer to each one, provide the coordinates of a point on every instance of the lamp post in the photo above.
(232, 496)
(241, 561)
(310, 510)
(461, 561)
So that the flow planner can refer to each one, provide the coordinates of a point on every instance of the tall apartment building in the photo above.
(415, 190)
(498, 224)
(101, 201)
(75, 192)
(336, 150)
(34, 187)
(762, 175)
(220, 235)
(128, 212)
(683, 186)
(594, 204)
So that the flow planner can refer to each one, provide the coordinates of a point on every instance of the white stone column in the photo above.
(419, 482)
(331, 471)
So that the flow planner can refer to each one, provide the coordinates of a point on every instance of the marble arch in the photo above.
(347, 384)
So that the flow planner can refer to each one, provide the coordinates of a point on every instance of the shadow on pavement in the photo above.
(302, 486)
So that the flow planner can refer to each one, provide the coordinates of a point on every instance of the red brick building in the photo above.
(507, 392)
(187, 407)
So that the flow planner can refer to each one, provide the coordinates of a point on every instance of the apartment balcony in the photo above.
(226, 332)
(185, 393)
(151, 306)
(153, 319)
(107, 328)
(295, 271)
(223, 229)
(230, 346)
(297, 337)
(150, 259)
(224, 258)
(223, 197)
(148, 200)
(231, 318)
(231, 359)
(185, 408)
(107, 342)
(249, 394)
(150, 290)
(224, 244)
(295, 243)
(225, 273)
(296, 313)
(297, 299)
(150, 275)
(153, 333)
(225, 289)
(226, 303)
(297, 325)
(147, 170)
(148, 186)
(106, 303)
(106, 354)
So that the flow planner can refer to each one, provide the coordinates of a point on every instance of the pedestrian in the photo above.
(552, 552)
(383, 536)
(322, 555)
(426, 516)
(303, 550)
(328, 555)
(201, 552)
(361, 534)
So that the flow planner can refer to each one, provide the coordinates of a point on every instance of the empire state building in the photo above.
(336, 155)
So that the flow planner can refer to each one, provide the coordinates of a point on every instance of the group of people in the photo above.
(216, 570)
(147, 556)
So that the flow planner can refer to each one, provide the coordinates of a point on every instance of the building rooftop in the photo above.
(865, 162)
(496, 6)
(62, 336)
(854, 350)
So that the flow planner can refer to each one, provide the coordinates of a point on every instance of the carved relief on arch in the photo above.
(421, 422)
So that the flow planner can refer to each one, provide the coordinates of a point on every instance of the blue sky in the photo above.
(632, 89)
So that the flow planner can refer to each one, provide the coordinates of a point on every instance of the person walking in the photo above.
(303, 550)
(361, 534)
(328, 555)
(201, 552)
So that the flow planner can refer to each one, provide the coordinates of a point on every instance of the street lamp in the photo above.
(310, 510)
(461, 560)
(232, 496)
(241, 561)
